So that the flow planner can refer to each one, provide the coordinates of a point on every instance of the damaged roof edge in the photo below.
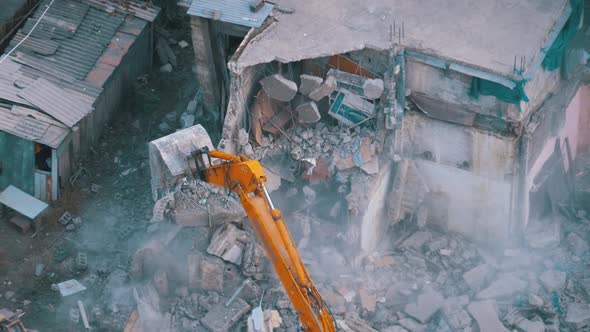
(251, 36)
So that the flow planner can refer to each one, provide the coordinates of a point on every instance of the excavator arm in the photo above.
(246, 178)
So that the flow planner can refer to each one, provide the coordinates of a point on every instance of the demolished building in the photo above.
(481, 121)
(60, 83)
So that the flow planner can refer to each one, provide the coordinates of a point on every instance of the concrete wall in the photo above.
(451, 145)
(449, 86)
(479, 197)
(243, 88)
(454, 87)
(204, 61)
(373, 223)
(574, 127)
(478, 207)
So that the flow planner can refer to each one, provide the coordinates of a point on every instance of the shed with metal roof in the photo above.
(60, 81)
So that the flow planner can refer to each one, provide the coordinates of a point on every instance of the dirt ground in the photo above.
(111, 216)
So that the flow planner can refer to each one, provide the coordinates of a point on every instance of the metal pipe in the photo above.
(272, 207)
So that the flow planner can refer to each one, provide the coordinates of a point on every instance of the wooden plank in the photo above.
(345, 64)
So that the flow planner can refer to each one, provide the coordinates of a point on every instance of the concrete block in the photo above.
(373, 88)
(458, 320)
(552, 280)
(504, 286)
(324, 90)
(426, 306)
(479, 276)
(486, 316)
(161, 283)
(279, 88)
(221, 318)
(192, 266)
(228, 242)
(211, 273)
(578, 315)
(309, 83)
(308, 113)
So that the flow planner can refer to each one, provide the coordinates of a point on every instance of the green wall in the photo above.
(18, 163)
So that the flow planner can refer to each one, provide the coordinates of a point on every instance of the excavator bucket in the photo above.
(169, 156)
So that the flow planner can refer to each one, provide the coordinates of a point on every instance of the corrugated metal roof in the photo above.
(84, 44)
(64, 64)
(55, 101)
(33, 126)
(136, 8)
(231, 11)
(22, 202)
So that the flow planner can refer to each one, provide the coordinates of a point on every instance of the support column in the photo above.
(204, 61)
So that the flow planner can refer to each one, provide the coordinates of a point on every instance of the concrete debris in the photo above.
(211, 276)
(324, 90)
(161, 284)
(486, 316)
(183, 44)
(427, 304)
(8, 295)
(70, 287)
(279, 88)
(459, 319)
(412, 325)
(39, 269)
(221, 318)
(553, 280)
(355, 324)
(368, 301)
(394, 328)
(373, 88)
(417, 240)
(576, 244)
(167, 68)
(228, 242)
(308, 113)
(543, 234)
(506, 285)
(479, 276)
(578, 315)
(526, 325)
(309, 83)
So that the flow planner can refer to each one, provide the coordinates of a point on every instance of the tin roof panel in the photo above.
(231, 11)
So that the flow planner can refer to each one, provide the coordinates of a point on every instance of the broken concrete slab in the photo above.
(356, 324)
(578, 315)
(412, 325)
(221, 318)
(211, 273)
(427, 304)
(486, 316)
(526, 325)
(229, 242)
(279, 88)
(459, 319)
(309, 83)
(506, 285)
(368, 301)
(308, 113)
(394, 328)
(553, 280)
(324, 90)
(373, 88)
(417, 240)
(479, 276)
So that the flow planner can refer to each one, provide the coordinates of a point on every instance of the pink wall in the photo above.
(584, 123)
(576, 129)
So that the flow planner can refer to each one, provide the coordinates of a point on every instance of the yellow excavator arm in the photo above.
(246, 178)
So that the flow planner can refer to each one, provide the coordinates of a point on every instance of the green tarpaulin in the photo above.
(554, 55)
(480, 86)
